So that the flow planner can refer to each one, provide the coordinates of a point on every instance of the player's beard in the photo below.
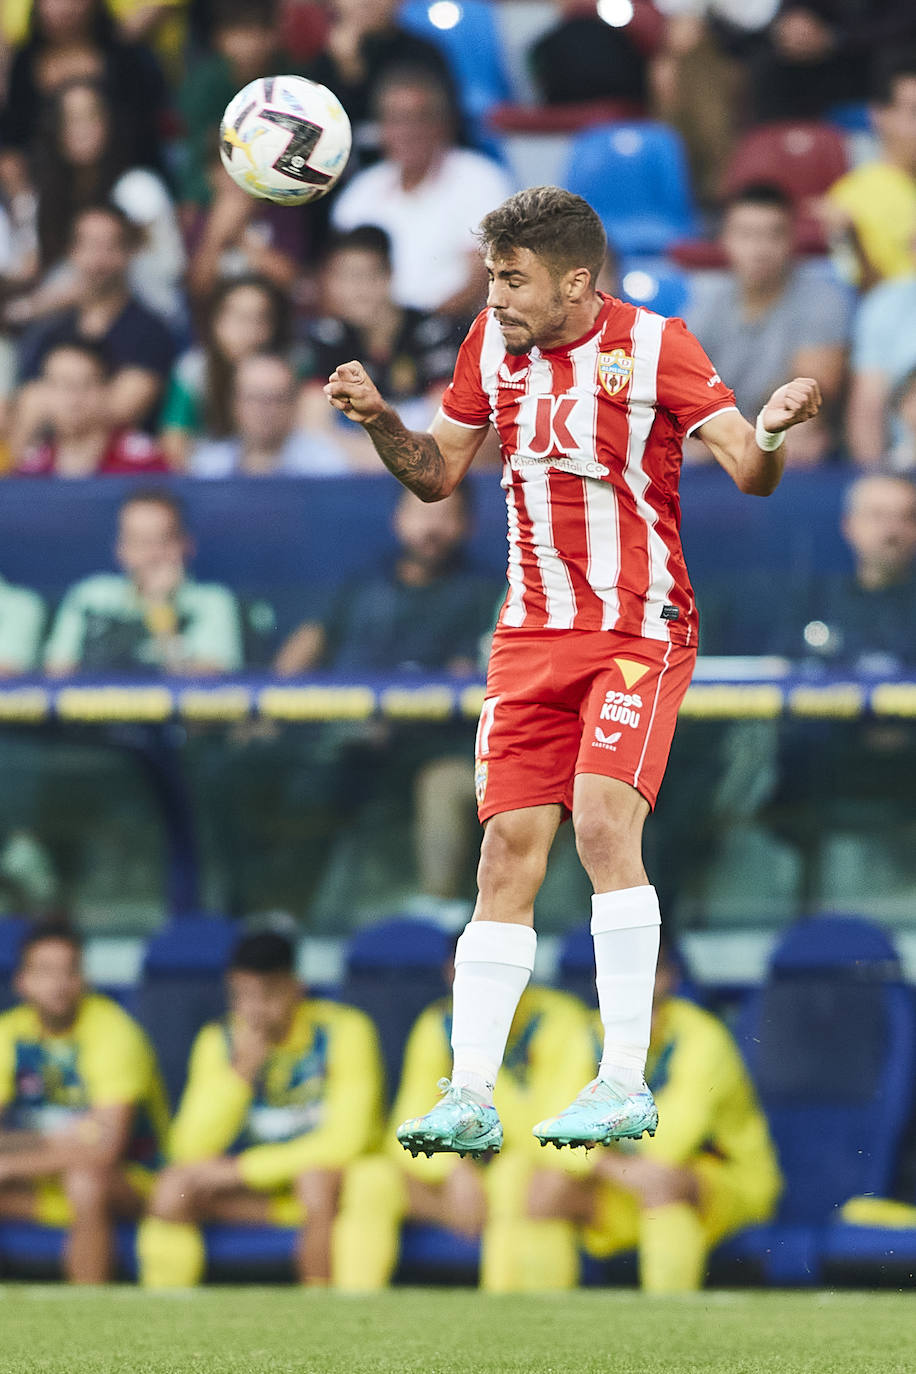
(549, 328)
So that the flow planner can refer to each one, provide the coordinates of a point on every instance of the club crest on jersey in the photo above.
(614, 370)
(481, 771)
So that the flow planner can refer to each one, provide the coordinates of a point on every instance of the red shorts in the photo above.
(562, 702)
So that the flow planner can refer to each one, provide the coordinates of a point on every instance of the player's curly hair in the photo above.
(558, 226)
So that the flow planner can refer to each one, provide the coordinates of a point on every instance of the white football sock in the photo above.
(625, 929)
(493, 962)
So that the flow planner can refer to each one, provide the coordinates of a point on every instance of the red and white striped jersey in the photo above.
(591, 438)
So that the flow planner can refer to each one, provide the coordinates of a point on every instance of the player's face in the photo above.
(65, 19)
(881, 524)
(265, 1002)
(74, 388)
(51, 981)
(758, 241)
(527, 300)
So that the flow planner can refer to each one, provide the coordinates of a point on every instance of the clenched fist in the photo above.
(351, 390)
(791, 404)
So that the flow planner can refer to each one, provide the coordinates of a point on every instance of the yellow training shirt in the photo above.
(880, 199)
(105, 1060)
(706, 1101)
(549, 1059)
(315, 1104)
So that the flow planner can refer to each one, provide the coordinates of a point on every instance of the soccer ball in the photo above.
(285, 139)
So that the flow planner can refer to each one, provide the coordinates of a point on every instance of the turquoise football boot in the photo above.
(599, 1115)
(460, 1123)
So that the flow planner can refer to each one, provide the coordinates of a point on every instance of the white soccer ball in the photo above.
(285, 139)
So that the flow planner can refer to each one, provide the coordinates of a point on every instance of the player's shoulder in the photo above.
(18, 1021)
(101, 1015)
(336, 1015)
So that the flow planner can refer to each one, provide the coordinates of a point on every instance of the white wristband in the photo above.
(766, 439)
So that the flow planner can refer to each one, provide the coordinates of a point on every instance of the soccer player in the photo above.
(280, 1097)
(550, 1046)
(82, 1106)
(709, 1172)
(596, 642)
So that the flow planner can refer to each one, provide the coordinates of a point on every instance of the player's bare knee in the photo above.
(176, 1195)
(319, 1191)
(89, 1187)
(510, 857)
(605, 839)
(667, 1188)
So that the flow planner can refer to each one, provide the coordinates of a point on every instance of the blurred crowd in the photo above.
(153, 317)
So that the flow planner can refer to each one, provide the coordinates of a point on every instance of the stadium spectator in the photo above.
(152, 617)
(160, 23)
(550, 1045)
(697, 79)
(709, 1171)
(239, 235)
(411, 352)
(80, 159)
(243, 46)
(79, 440)
(22, 619)
(883, 355)
(280, 1098)
(873, 207)
(243, 316)
(135, 342)
(768, 316)
(866, 621)
(83, 1107)
(364, 43)
(265, 441)
(902, 457)
(820, 53)
(426, 614)
(427, 194)
(79, 40)
(583, 58)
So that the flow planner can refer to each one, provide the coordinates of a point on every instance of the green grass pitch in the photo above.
(53, 1330)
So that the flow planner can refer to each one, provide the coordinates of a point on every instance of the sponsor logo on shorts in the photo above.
(623, 708)
(603, 741)
(481, 770)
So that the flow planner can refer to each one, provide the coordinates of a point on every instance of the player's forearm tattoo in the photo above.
(412, 457)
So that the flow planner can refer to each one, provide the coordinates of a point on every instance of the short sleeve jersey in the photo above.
(591, 437)
(104, 1060)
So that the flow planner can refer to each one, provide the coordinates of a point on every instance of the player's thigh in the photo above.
(730, 1199)
(630, 712)
(21, 1201)
(245, 1207)
(528, 733)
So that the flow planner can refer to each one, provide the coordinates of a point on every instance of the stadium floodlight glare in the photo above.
(640, 285)
(445, 14)
(617, 13)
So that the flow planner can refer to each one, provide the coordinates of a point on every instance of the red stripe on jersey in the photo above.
(568, 513)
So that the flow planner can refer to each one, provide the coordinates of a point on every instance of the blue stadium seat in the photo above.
(635, 175)
(393, 970)
(655, 283)
(830, 1040)
(12, 932)
(32, 1251)
(473, 47)
(181, 988)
